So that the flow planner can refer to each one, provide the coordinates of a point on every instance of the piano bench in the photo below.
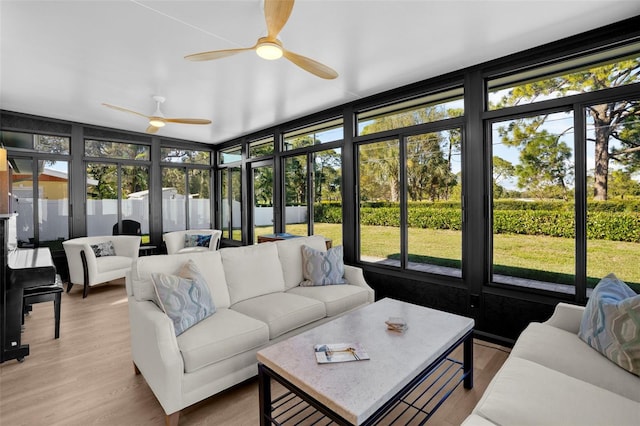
(47, 293)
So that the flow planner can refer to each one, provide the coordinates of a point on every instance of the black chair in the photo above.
(129, 227)
(47, 293)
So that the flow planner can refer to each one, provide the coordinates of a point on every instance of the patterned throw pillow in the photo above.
(103, 249)
(611, 323)
(322, 268)
(185, 299)
(192, 240)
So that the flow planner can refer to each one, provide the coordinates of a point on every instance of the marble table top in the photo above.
(355, 390)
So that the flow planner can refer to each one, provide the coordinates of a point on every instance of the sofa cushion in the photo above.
(565, 352)
(220, 336)
(185, 298)
(322, 267)
(252, 271)
(611, 323)
(208, 262)
(526, 393)
(111, 263)
(290, 254)
(103, 249)
(282, 312)
(336, 298)
(197, 240)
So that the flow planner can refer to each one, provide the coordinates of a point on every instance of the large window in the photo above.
(116, 190)
(296, 186)
(613, 191)
(410, 185)
(40, 196)
(39, 187)
(533, 201)
(186, 197)
(379, 188)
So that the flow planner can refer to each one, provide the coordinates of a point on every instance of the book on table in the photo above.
(339, 352)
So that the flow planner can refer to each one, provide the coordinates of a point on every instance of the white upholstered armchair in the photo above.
(175, 241)
(110, 258)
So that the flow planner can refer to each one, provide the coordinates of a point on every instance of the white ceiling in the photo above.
(62, 59)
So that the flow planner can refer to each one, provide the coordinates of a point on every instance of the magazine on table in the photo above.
(339, 352)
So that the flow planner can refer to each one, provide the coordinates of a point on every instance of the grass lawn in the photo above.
(544, 258)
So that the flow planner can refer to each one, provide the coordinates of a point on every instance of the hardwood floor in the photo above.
(86, 377)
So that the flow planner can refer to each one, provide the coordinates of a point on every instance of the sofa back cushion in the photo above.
(209, 264)
(252, 271)
(290, 254)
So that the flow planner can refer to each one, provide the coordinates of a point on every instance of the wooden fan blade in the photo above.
(216, 54)
(276, 13)
(125, 110)
(187, 120)
(152, 129)
(314, 67)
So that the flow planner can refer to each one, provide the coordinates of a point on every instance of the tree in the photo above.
(610, 120)
(502, 170)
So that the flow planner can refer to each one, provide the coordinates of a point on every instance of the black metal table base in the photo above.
(414, 404)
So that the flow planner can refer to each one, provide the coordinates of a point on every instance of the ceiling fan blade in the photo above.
(187, 120)
(314, 67)
(125, 110)
(276, 13)
(152, 129)
(216, 54)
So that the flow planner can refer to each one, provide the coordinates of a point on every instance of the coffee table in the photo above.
(408, 372)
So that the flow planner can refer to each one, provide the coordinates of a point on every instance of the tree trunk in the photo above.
(602, 132)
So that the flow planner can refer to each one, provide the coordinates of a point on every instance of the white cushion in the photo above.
(208, 262)
(336, 298)
(193, 249)
(110, 263)
(282, 312)
(290, 254)
(526, 393)
(224, 334)
(252, 271)
(565, 352)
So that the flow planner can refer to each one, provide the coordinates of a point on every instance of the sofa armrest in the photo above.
(566, 317)
(354, 276)
(155, 352)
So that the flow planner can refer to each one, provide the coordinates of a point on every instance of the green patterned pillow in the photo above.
(322, 268)
(611, 323)
(185, 299)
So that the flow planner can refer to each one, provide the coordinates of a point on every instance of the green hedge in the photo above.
(601, 225)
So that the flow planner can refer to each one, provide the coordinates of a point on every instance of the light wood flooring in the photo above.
(86, 377)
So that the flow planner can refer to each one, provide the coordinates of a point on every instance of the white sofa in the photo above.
(88, 270)
(553, 378)
(174, 240)
(258, 301)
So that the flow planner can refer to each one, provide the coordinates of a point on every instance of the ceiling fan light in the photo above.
(156, 123)
(268, 50)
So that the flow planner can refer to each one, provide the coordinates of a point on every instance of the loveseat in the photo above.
(552, 377)
(258, 300)
(176, 243)
(90, 264)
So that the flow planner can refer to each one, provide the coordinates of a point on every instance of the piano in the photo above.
(23, 268)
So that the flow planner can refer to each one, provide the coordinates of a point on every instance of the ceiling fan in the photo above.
(157, 119)
(276, 13)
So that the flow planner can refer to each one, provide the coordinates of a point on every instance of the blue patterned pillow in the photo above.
(103, 249)
(611, 323)
(193, 240)
(185, 299)
(322, 268)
